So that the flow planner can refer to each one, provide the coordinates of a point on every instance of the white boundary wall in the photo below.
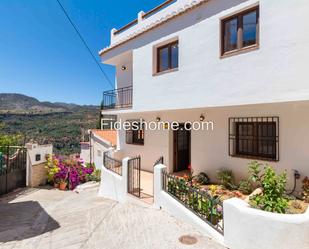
(114, 186)
(169, 204)
(34, 149)
(246, 227)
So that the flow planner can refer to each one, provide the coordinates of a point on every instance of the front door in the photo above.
(182, 148)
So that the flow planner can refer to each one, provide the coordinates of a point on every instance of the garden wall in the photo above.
(168, 203)
(245, 227)
(36, 158)
(114, 186)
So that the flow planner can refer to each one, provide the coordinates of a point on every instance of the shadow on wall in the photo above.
(23, 220)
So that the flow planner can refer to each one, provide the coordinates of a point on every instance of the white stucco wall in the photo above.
(34, 149)
(97, 149)
(114, 186)
(276, 72)
(209, 149)
(168, 203)
(85, 152)
(245, 227)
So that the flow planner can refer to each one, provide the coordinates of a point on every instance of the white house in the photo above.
(241, 64)
(99, 142)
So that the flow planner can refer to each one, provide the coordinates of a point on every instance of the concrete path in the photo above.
(42, 218)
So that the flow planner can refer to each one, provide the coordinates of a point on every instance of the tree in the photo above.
(7, 139)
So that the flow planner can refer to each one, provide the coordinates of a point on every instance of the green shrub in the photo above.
(305, 188)
(202, 178)
(226, 178)
(272, 198)
(95, 176)
(245, 187)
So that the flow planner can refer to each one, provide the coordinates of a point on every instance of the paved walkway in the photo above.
(42, 218)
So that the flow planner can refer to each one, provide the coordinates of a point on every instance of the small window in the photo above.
(135, 135)
(256, 138)
(38, 157)
(99, 153)
(167, 57)
(240, 31)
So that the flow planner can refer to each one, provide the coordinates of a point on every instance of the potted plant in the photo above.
(62, 184)
(56, 182)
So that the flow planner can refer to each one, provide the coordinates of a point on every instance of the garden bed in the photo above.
(269, 196)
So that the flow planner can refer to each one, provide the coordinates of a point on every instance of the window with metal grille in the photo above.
(135, 135)
(254, 137)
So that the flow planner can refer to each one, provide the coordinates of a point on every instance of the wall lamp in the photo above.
(158, 119)
(202, 117)
(123, 68)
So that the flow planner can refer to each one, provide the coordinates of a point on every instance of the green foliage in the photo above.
(305, 188)
(95, 176)
(202, 178)
(245, 187)
(226, 178)
(8, 139)
(272, 198)
(63, 130)
(207, 205)
(254, 169)
(52, 168)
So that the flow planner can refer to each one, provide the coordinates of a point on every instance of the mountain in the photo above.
(21, 104)
(60, 124)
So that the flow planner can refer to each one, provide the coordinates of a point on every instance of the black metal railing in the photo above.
(159, 161)
(112, 163)
(118, 98)
(209, 208)
(12, 168)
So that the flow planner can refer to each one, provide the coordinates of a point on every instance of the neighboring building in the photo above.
(99, 142)
(241, 64)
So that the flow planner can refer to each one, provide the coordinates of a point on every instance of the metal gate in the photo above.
(134, 176)
(12, 168)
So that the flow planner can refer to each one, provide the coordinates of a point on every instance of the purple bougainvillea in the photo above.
(72, 171)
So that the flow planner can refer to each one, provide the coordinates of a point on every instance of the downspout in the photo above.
(90, 146)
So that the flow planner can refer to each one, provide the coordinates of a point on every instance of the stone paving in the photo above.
(43, 218)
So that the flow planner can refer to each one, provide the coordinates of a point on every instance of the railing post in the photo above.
(140, 16)
(125, 167)
(158, 184)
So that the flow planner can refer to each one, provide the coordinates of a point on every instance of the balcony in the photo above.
(120, 98)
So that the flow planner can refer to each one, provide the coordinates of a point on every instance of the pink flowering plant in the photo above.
(72, 171)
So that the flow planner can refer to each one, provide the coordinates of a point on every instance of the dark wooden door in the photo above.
(182, 148)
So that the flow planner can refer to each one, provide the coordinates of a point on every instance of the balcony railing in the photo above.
(118, 98)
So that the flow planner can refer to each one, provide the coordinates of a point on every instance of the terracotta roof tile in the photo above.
(108, 135)
(169, 16)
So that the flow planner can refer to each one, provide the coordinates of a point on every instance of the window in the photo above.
(38, 157)
(254, 137)
(240, 31)
(99, 153)
(135, 135)
(167, 57)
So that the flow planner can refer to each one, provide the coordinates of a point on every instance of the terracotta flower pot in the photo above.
(62, 185)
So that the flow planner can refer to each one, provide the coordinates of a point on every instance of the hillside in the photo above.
(61, 124)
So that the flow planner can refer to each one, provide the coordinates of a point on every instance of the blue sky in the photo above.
(41, 55)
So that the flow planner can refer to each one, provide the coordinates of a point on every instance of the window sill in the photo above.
(240, 51)
(166, 71)
(255, 158)
(136, 144)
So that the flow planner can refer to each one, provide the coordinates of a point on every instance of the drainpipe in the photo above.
(90, 146)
